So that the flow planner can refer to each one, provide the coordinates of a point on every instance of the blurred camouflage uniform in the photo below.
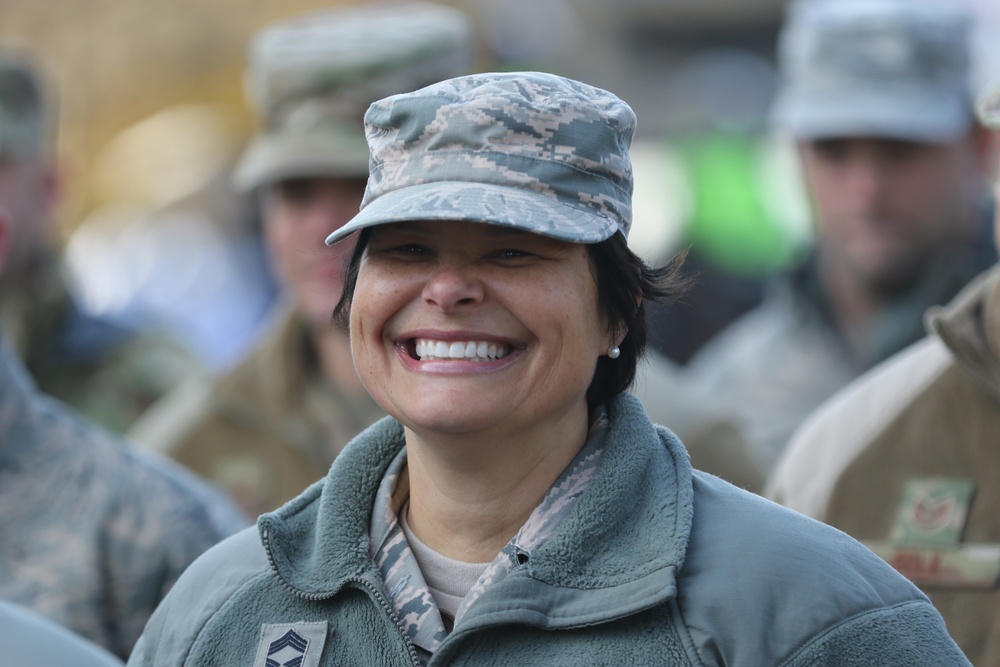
(273, 424)
(264, 430)
(92, 534)
(107, 371)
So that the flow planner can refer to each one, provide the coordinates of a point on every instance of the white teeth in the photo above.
(472, 350)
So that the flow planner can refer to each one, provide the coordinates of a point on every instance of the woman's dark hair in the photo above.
(342, 311)
(625, 284)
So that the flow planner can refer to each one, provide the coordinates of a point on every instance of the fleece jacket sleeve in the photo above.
(197, 597)
(911, 633)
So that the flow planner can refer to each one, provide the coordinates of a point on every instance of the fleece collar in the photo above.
(616, 553)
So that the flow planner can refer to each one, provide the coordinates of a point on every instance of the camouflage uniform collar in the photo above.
(405, 586)
(638, 507)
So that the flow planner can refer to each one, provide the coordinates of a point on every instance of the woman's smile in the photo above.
(450, 355)
(465, 322)
(426, 349)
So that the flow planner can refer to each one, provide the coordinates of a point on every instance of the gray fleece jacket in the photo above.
(656, 565)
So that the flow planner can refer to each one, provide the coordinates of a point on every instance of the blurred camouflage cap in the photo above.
(522, 149)
(885, 68)
(22, 112)
(311, 78)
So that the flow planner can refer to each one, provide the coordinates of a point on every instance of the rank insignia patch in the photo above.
(290, 644)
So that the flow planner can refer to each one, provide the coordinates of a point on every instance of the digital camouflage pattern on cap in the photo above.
(886, 68)
(311, 78)
(22, 113)
(528, 150)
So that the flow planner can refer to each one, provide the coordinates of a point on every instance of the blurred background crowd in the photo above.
(159, 297)
(152, 112)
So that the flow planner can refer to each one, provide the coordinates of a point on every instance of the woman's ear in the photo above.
(615, 336)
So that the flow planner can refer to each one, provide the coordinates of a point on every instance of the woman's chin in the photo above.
(449, 420)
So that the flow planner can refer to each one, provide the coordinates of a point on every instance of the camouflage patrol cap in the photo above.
(529, 150)
(22, 112)
(884, 68)
(311, 78)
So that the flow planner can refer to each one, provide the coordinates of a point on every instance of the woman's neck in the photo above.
(471, 493)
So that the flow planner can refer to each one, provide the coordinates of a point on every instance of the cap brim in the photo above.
(921, 118)
(275, 157)
(485, 203)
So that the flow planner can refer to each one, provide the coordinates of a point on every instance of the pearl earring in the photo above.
(614, 352)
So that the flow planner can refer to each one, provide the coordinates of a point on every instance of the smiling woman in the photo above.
(518, 506)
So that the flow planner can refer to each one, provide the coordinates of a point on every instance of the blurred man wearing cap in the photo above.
(108, 372)
(905, 459)
(876, 96)
(272, 425)
(92, 533)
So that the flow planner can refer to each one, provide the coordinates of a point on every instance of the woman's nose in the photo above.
(453, 285)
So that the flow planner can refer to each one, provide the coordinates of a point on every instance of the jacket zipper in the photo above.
(362, 582)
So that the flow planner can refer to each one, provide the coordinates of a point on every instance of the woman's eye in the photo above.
(406, 249)
(400, 252)
(512, 253)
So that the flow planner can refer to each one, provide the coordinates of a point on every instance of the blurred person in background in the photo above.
(92, 533)
(102, 368)
(877, 96)
(274, 423)
(172, 244)
(905, 459)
